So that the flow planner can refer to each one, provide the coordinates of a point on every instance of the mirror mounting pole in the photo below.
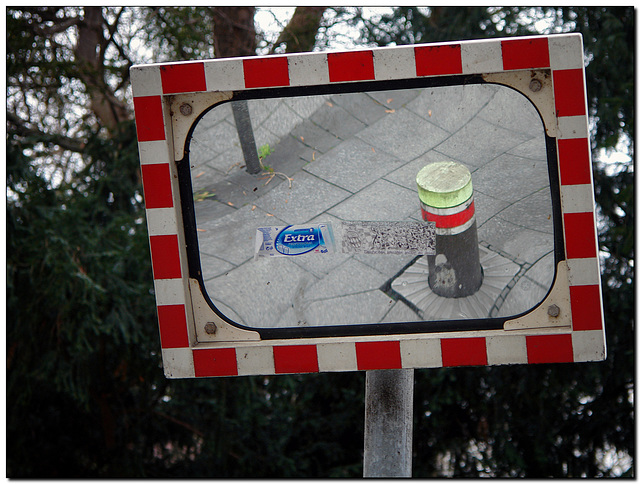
(388, 423)
(446, 198)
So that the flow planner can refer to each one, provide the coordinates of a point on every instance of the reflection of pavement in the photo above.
(355, 157)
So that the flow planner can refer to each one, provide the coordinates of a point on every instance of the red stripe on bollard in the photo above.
(449, 221)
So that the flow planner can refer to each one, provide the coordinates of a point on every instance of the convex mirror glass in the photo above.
(346, 165)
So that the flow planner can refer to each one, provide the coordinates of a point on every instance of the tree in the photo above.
(85, 389)
(488, 415)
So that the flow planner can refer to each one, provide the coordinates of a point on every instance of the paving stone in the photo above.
(215, 115)
(395, 98)
(479, 142)
(511, 110)
(534, 212)
(534, 149)
(543, 271)
(349, 278)
(380, 201)
(401, 313)
(232, 237)
(215, 140)
(280, 122)
(305, 106)
(520, 243)
(211, 209)
(486, 206)
(525, 295)
(287, 156)
(203, 176)
(213, 266)
(227, 162)
(337, 120)
(316, 138)
(403, 134)
(261, 109)
(353, 165)
(451, 107)
(308, 197)
(361, 105)
(238, 188)
(510, 178)
(363, 308)
(259, 291)
(387, 264)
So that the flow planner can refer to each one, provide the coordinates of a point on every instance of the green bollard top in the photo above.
(444, 184)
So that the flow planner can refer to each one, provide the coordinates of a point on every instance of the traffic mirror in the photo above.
(405, 207)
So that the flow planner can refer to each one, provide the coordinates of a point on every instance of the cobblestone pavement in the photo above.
(347, 157)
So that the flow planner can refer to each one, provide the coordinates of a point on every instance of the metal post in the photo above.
(446, 198)
(245, 134)
(388, 425)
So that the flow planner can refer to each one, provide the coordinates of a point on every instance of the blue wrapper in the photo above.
(294, 240)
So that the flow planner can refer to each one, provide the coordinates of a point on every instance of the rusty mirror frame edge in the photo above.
(368, 329)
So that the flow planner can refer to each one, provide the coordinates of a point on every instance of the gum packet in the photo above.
(293, 240)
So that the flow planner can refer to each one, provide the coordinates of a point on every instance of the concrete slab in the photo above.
(364, 107)
(337, 120)
(382, 200)
(259, 291)
(232, 237)
(341, 282)
(395, 99)
(315, 137)
(510, 178)
(479, 142)
(534, 212)
(403, 134)
(451, 107)
(353, 165)
(307, 197)
(367, 307)
(512, 111)
(521, 243)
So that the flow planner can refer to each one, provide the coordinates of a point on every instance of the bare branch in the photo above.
(89, 54)
(112, 30)
(187, 426)
(20, 128)
(59, 27)
(300, 32)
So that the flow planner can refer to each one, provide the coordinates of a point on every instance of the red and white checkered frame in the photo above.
(582, 339)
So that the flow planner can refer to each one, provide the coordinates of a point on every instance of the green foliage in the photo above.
(264, 151)
(609, 35)
(78, 303)
(555, 420)
(178, 33)
(202, 195)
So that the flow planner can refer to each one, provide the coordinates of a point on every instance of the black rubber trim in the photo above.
(390, 329)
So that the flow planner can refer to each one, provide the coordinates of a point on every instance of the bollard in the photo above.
(446, 198)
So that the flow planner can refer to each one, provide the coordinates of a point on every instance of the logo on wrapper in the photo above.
(294, 240)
